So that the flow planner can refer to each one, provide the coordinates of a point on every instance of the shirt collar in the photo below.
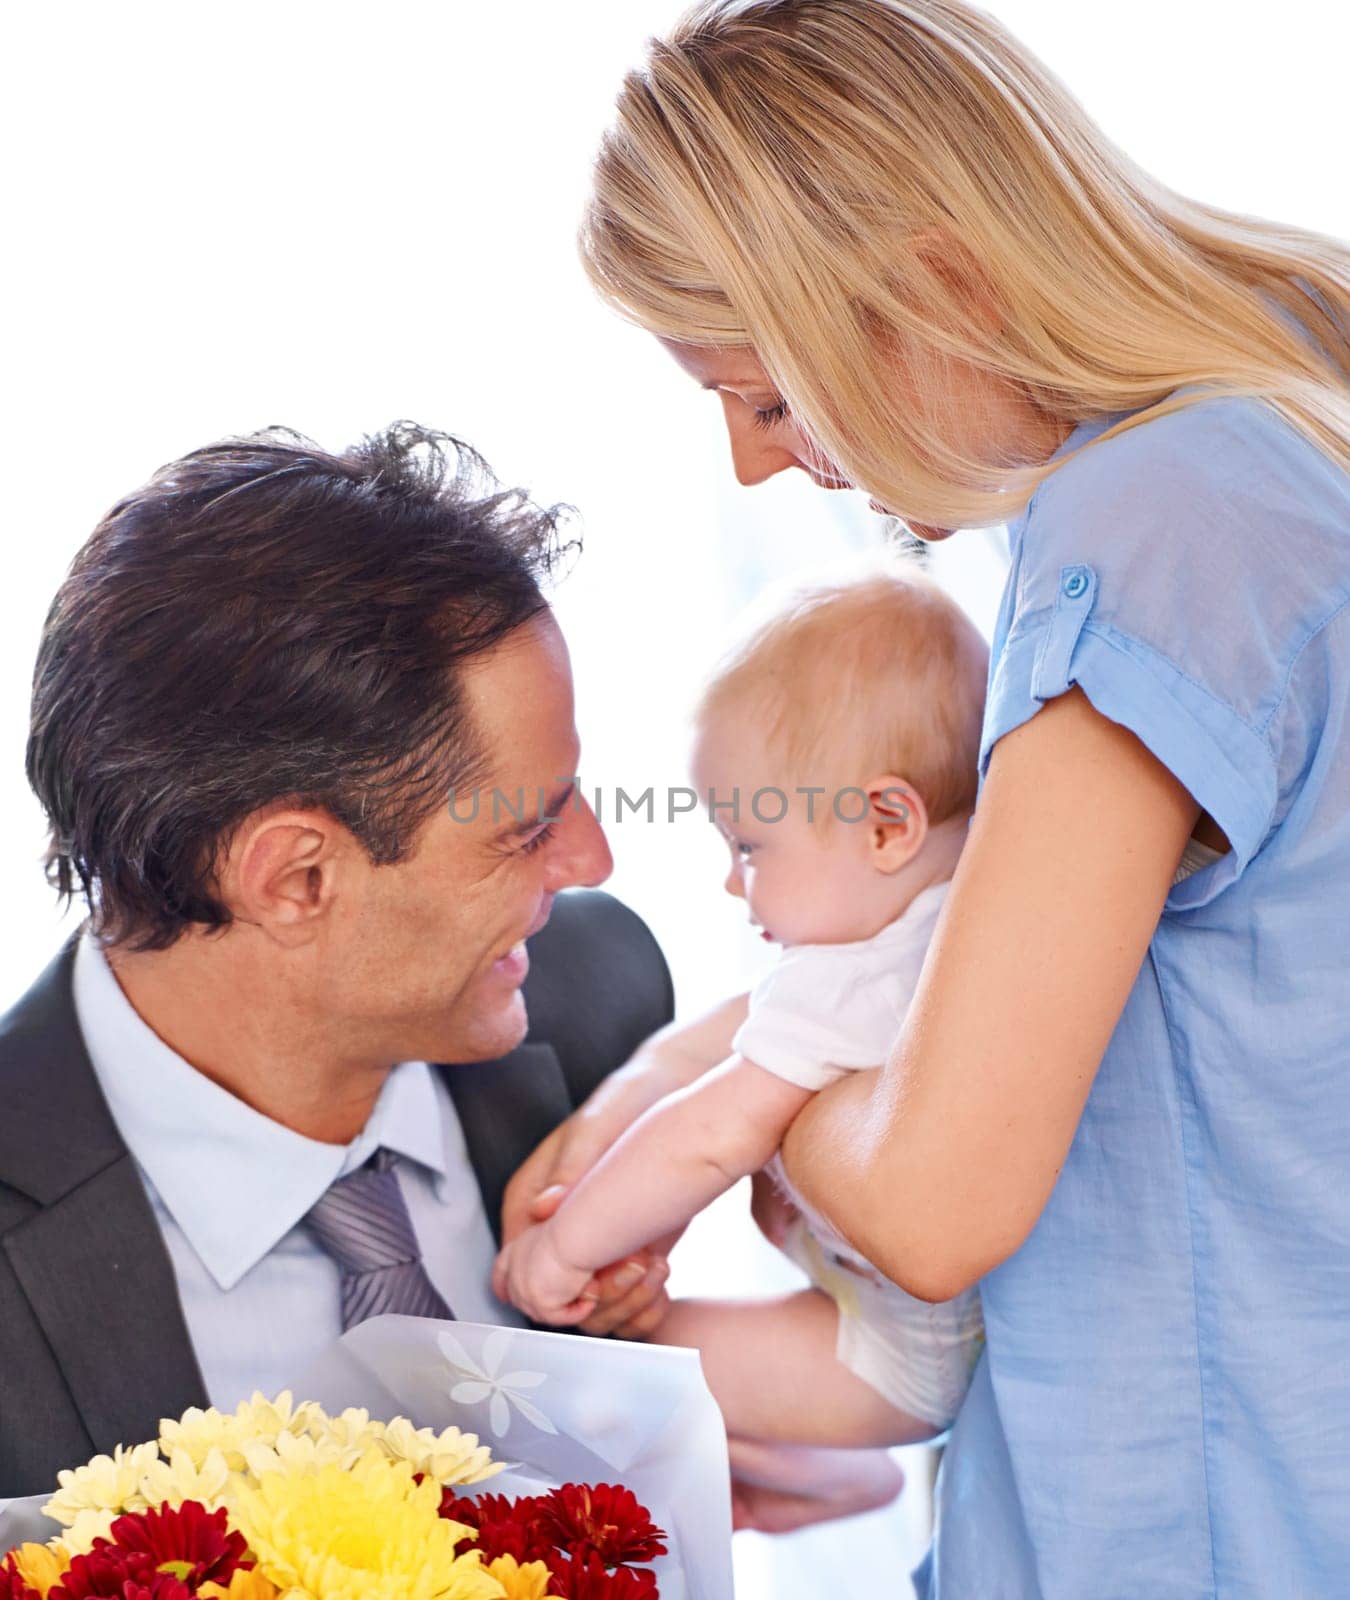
(1080, 434)
(916, 921)
(234, 1181)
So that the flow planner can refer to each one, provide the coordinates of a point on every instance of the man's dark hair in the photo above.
(263, 621)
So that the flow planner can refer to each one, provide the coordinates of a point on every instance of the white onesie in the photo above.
(822, 1011)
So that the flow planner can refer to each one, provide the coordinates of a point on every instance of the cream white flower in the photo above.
(169, 1483)
(107, 1483)
(78, 1539)
(451, 1457)
(297, 1455)
(352, 1428)
(257, 1420)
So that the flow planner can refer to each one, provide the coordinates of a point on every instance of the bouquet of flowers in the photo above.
(322, 1501)
(285, 1500)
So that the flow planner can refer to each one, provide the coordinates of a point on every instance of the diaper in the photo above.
(918, 1356)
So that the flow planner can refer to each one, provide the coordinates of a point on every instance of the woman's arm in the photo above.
(938, 1169)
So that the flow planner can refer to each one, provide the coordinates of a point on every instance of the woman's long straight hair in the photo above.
(834, 183)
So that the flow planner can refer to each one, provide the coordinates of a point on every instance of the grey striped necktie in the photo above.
(363, 1223)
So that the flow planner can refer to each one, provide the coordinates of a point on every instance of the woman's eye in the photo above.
(539, 840)
(772, 416)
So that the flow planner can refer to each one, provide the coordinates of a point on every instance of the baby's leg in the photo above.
(778, 1487)
(772, 1369)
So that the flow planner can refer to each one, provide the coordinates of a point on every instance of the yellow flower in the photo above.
(450, 1457)
(529, 1582)
(370, 1533)
(199, 1432)
(243, 1586)
(107, 1483)
(40, 1565)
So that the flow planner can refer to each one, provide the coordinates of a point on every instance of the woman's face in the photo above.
(997, 422)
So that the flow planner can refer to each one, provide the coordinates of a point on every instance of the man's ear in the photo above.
(280, 872)
(897, 822)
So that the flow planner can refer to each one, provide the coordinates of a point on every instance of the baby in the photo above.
(836, 748)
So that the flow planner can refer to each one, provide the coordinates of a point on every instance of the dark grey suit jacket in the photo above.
(93, 1346)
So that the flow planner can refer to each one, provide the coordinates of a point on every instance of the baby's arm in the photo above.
(676, 1159)
(673, 1057)
(772, 1368)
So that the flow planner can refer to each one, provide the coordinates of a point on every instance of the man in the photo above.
(303, 729)
(263, 677)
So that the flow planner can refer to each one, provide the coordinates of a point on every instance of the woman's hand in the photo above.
(939, 1170)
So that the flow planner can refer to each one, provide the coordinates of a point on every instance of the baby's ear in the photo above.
(897, 822)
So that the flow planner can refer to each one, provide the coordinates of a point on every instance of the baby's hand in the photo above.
(533, 1276)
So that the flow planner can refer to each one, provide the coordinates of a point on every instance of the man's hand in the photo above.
(779, 1488)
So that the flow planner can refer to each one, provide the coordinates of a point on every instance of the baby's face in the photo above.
(802, 883)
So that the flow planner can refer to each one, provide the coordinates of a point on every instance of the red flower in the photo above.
(110, 1573)
(189, 1542)
(12, 1586)
(606, 1518)
(504, 1527)
(584, 1576)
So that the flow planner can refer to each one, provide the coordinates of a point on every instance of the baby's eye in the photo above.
(742, 848)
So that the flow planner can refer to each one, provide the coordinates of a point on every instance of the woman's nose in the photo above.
(755, 457)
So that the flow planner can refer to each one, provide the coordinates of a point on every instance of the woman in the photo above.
(906, 261)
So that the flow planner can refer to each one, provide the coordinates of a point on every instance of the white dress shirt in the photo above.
(230, 1188)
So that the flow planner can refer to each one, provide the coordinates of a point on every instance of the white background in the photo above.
(333, 215)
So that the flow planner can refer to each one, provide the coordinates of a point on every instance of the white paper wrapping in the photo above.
(556, 1407)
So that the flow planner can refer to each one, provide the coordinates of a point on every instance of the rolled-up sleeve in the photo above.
(1144, 575)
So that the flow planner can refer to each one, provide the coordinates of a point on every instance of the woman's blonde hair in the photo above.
(824, 180)
(844, 679)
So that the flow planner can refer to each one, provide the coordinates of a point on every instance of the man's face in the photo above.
(423, 959)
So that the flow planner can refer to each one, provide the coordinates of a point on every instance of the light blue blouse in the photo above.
(1163, 1410)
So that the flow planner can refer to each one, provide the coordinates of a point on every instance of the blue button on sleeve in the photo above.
(1225, 764)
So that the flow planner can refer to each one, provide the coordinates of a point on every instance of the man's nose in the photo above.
(754, 457)
(588, 860)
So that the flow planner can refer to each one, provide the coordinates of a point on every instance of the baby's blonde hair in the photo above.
(853, 678)
(777, 175)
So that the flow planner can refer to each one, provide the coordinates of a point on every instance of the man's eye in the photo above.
(772, 416)
(539, 840)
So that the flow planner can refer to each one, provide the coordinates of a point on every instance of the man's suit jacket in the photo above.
(93, 1346)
